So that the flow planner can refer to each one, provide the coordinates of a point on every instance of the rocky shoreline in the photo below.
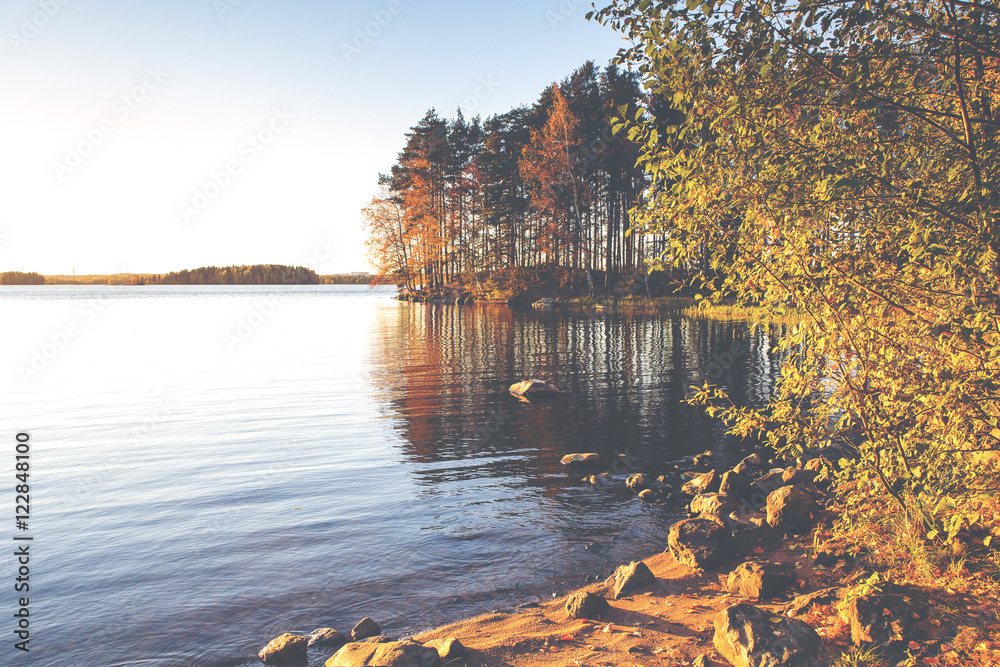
(747, 579)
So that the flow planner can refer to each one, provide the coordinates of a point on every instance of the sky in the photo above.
(150, 136)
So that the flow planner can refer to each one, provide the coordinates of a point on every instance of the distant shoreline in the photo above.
(135, 279)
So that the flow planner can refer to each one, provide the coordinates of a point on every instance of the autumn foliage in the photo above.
(841, 158)
(541, 186)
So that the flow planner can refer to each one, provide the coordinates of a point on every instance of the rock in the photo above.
(365, 628)
(660, 487)
(581, 459)
(812, 490)
(544, 304)
(604, 479)
(748, 519)
(734, 485)
(819, 465)
(636, 483)
(647, 495)
(750, 637)
(715, 517)
(878, 618)
(767, 484)
(586, 605)
(534, 388)
(798, 476)
(742, 468)
(628, 578)
(803, 603)
(286, 648)
(759, 581)
(717, 504)
(791, 509)
(393, 654)
(753, 461)
(327, 637)
(699, 543)
(706, 483)
(448, 648)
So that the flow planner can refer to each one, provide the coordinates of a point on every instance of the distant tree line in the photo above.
(18, 278)
(547, 185)
(350, 279)
(258, 274)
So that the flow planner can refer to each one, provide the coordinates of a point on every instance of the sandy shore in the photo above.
(669, 622)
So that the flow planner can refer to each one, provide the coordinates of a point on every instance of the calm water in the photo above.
(212, 467)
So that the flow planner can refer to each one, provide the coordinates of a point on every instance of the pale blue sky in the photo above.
(120, 119)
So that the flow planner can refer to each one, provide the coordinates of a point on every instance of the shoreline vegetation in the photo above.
(259, 274)
(796, 157)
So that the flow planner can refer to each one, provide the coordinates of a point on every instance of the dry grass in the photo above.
(959, 579)
(734, 313)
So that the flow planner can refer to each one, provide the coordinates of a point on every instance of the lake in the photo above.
(214, 466)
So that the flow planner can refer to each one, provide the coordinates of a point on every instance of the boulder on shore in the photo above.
(286, 648)
(636, 483)
(759, 581)
(700, 543)
(798, 476)
(706, 483)
(716, 504)
(628, 578)
(803, 603)
(448, 648)
(768, 484)
(588, 459)
(734, 485)
(647, 495)
(534, 388)
(747, 519)
(880, 617)
(750, 637)
(792, 509)
(327, 637)
(604, 479)
(365, 628)
(393, 654)
(586, 605)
